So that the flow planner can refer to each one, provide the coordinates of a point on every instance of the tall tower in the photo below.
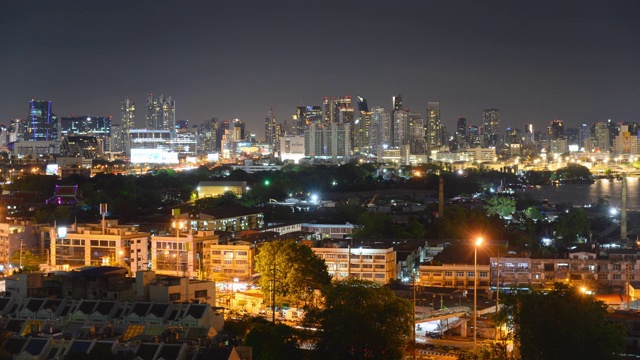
(326, 110)
(362, 126)
(380, 129)
(42, 124)
(416, 134)
(400, 128)
(128, 116)
(556, 129)
(270, 128)
(491, 126)
(342, 110)
(153, 110)
(434, 131)
(161, 113)
(397, 102)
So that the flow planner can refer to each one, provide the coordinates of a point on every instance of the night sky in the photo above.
(534, 60)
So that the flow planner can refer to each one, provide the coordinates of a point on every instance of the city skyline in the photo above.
(534, 61)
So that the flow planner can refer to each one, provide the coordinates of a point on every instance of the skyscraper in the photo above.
(361, 126)
(161, 113)
(400, 128)
(416, 134)
(342, 110)
(434, 131)
(306, 115)
(397, 102)
(461, 126)
(128, 116)
(380, 129)
(556, 129)
(491, 126)
(42, 124)
(270, 135)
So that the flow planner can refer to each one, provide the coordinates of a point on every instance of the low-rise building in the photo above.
(229, 262)
(180, 254)
(218, 188)
(109, 244)
(362, 263)
(460, 276)
(230, 219)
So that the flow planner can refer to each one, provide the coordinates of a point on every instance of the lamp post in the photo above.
(475, 291)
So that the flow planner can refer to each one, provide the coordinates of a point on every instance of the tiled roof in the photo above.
(170, 351)
(34, 304)
(105, 307)
(196, 310)
(140, 309)
(13, 345)
(80, 346)
(147, 351)
(35, 346)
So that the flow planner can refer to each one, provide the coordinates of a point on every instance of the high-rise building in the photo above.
(434, 131)
(397, 102)
(362, 126)
(42, 124)
(98, 126)
(417, 143)
(270, 128)
(306, 115)
(161, 113)
(529, 134)
(326, 110)
(342, 110)
(461, 126)
(556, 129)
(602, 135)
(491, 127)
(584, 134)
(380, 129)
(400, 129)
(230, 132)
(128, 116)
(328, 142)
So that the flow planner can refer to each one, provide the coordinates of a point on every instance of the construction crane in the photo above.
(371, 203)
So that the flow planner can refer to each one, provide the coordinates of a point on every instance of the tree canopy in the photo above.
(571, 225)
(503, 206)
(561, 324)
(362, 320)
(297, 270)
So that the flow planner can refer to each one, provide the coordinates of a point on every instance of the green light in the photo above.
(267, 182)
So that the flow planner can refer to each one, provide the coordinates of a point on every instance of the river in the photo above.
(582, 194)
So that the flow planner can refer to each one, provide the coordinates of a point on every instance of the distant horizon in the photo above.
(535, 61)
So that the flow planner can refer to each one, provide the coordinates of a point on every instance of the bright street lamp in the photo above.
(475, 291)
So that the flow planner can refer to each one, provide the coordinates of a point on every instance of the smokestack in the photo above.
(623, 211)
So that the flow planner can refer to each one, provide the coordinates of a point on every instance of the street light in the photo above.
(475, 291)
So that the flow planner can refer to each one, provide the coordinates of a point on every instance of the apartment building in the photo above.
(362, 263)
(102, 244)
(460, 276)
(229, 262)
(180, 254)
(231, 219)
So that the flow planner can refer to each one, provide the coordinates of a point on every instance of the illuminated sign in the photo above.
(52, 169)
(62, 232)
(153, 156)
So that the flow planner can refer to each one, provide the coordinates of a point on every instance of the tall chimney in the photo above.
(623, 211)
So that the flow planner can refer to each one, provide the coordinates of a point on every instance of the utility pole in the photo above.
(414, 316)
(273, 292)
(498, 291)
(20, 254)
